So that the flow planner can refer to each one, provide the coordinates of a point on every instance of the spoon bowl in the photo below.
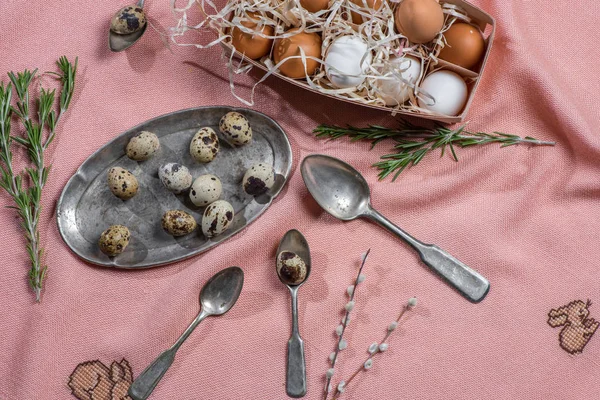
(118, 42)
(337, 187)
(221, 291)
(342, 191)
(294, 242)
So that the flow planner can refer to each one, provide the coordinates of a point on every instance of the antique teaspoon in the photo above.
(218, 295)
(293, 269)
(121, 41)
(343, 192)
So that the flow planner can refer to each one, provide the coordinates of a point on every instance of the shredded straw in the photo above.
(377, 31)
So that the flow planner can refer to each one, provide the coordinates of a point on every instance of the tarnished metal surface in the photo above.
(343, 192)
(87, 207)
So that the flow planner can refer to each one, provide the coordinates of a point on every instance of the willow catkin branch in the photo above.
(346, 320)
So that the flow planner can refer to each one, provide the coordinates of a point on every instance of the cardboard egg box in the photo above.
(480, 18)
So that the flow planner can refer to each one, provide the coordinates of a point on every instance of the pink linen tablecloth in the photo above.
(526, 218)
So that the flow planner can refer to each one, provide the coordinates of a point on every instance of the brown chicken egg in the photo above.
(374, 4)
(253, 46)
(314, 6)
(290, 46)
(465, 45)
(419, 20)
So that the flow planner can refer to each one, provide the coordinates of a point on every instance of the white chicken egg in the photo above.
(216, 218)
(343, 61)
(449, 92)
(205, 189)
(395, 91)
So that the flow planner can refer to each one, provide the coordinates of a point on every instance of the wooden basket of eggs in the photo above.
(414, 57)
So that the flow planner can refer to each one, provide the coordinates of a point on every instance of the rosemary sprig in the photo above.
(25, 188)
(415, 142)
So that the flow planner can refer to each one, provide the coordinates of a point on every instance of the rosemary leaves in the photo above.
(39, 124)
(415, 142)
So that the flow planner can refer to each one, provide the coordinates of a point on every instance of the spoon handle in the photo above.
(467, 281)
(144, 384)
(295, 384)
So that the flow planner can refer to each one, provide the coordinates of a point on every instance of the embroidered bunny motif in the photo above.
(93, 380)
(577, 328)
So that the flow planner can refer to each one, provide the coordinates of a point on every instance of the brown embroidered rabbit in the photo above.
(577, 329)
(93, 380)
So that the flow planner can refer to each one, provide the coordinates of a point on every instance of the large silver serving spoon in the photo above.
(293, 242)
(118, 42)
(343, 192)
(218, 295)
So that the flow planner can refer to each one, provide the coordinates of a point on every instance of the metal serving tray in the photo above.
(87, 207)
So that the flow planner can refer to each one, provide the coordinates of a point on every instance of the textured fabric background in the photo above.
(526, 218)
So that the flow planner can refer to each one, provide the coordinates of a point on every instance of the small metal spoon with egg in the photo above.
(126, 27)
(293, 269)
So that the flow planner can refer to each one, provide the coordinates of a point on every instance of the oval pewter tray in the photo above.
(87, 207)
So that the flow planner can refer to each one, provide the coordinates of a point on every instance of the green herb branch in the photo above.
(414, 142)
(25, 188)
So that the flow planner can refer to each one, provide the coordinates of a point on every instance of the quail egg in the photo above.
(122, 183)
(236, 128)
(217, 218)
(175, 177)
(128, 20)
(143, 146)
(205, 145)
(205, 189)
(114, 240)
(178, 222)
(258, 179)
(291, 268)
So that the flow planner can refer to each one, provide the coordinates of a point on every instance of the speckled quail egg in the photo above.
(236, 128)
(291, 268)
(258, 179)
(114, 240)
(142, 146)
(217, 218)
(205, 189)
(175, 177)
(128, 20)
(205, 145)
(178, 222)
(122, 183)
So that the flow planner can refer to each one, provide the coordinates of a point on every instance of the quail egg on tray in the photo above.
(114, 240)
(178, 222)
(122, 183)
(217, 218)
(236, 128)
(175, 177)
(143, 146)
(207, 174)
(205, 190)
(205, 145)
(258, 179)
